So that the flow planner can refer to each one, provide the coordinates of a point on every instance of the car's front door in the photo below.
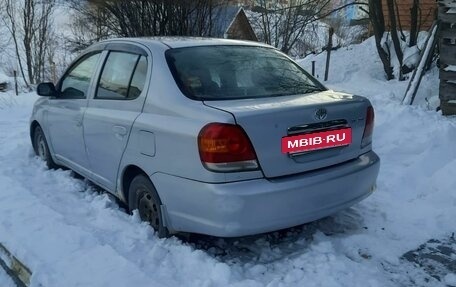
(66, 113)
(117, 102)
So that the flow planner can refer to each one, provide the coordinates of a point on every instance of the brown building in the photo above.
(240, 28)
(231, 22)
(426, 13)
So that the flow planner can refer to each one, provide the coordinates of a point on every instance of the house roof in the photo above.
(223, 18)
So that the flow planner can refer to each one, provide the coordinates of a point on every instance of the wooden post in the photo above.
(447, 75)
(328, 55)
(313, 68)
(15, 83)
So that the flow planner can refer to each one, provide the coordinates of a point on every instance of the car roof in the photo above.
(181, 42)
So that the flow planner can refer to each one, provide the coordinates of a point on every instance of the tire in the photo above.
(143, 196)
(42, 149)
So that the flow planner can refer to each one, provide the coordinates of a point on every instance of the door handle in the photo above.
(120, 131)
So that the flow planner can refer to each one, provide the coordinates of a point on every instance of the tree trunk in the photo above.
(394, 35)
(414, 23)
(28, 19)
(378, 26)
(10, 10)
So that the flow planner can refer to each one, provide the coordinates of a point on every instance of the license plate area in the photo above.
(314, 141)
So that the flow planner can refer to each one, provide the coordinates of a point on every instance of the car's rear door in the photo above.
(117, 102)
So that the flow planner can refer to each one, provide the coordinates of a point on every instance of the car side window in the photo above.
(139, 79)
(123, 76)
(76, 82)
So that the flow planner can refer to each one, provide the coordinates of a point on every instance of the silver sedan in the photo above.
(212, 136)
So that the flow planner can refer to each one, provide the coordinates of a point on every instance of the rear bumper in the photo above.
(262, 205)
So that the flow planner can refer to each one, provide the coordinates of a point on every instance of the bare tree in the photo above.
(378, 26)
(394, 34)
(10, 22)
(284, 26)
(397, 43)
(136, 18)
(88, 25)
(414, 22)
(30, 24)
(42, 55)
(3, 34)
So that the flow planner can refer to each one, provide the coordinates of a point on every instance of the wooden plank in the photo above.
(447, 91)
(446, 2)
(425, 57)
(445, 17)
(16, 267)
(422, 6)
(447, 61)
(448, 109)
(447, 53)
(448, 34)
(447, 75)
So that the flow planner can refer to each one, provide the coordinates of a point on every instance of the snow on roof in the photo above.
(223, 19)
(181, 42)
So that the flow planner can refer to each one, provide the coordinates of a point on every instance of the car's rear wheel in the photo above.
(143, 196)
(41, 148)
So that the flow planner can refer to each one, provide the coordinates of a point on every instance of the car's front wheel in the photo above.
(41, 147)
(143, 196)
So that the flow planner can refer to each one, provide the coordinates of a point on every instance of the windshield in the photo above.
(237, 72)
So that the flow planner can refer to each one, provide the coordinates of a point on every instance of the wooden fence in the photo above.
(447, 45)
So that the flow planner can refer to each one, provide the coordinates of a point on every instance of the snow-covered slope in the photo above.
(70, 235)
(358, 69)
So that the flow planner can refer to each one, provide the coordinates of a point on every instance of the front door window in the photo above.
(75, 85)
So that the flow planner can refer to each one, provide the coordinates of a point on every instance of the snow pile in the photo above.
(450, 279)
(357, 69)
(5, 280)
(70, 235)
(3, 78)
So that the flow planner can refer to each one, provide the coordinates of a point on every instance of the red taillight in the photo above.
(369, 128)
(226, 147)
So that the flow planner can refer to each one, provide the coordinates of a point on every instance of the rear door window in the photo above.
(123, 76)
(138, 79)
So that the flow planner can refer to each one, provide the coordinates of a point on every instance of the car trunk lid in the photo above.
(267, 120)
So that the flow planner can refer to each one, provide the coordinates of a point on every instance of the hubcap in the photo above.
(148, 210)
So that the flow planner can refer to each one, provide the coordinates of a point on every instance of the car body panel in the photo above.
(262, 205)
(65, 117)
(108, 123)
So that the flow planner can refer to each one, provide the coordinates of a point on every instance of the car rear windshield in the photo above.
(237, 72)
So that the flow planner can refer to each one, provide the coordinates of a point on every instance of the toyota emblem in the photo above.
(320, 114)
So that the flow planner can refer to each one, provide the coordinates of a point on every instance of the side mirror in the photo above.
(46, 90)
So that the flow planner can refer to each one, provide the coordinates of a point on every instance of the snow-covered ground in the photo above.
(70, 235)
(5, 280)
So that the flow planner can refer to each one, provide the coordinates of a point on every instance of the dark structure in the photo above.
(447, 44)
(231, 22)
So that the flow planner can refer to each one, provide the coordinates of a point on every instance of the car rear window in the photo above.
(237, 72)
